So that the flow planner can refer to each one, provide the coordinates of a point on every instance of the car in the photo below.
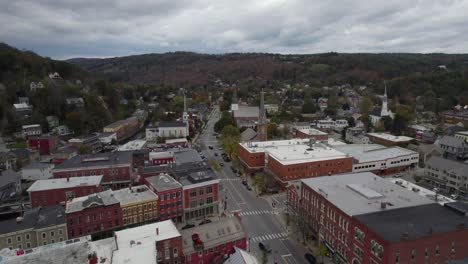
(435, 190)
(226, 159)
(233, 169)
(216, 154)
(220, 148)
(310, 258)
(248, 187)
(399, 175)
(454, 196)
(264, 246)
(221, 164)
(244, 182)
(206, 221)
(210, 147)
(187, 226)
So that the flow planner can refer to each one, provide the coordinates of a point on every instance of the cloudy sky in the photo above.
(104, 28)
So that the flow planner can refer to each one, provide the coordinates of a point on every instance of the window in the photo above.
(43, 235)
(413, 254)
(18, 238)
(52, 233)
(60, 232)
(28, 245)
(28, 237)
(426, 253)
(175, 252)
(376, 249)
(437, 253)
(200, 253)
(9, 240)
(193, 193)
(453, 247)
(358, 251)
(359, 235)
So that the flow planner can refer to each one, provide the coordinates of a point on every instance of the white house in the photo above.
(32, 130)
(54, 75)
(271, 108)
(176, 129)
(35, 86)
(37, 171)
(378, 113)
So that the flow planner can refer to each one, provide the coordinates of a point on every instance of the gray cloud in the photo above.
(64, 29)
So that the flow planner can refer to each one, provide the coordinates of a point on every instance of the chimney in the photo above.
(157, 231)
(383, 205)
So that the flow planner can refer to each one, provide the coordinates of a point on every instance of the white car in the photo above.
(454, 196)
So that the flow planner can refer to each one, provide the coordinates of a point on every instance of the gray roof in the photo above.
(171, 124)
(459, 168)
(452, 142)
(361, 193)
(9, 176)
(97, 160)
(213, 234)
(134, 194)
(38, 165)
(163, 182)
(428, 148)
(377, 111)
(415, 222)
(177, 170)
(63, 183)
(99, 199)
(461, 207)
(247, 112)
(248, 134)
(36, 218)
(187, 156)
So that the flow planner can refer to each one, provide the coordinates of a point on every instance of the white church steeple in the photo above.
(384, 103)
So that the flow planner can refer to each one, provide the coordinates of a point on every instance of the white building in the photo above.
(34, 86)
(175, 129)
(32, 130)
(378, 113)
(133, 145)
(37, 171)
(271, 108)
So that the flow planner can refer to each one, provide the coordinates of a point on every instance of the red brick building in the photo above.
(97, 215)
(170, 200)
(209, 243)
(389, 139)
(362, 218)
(310, 133)
(44, 144)
(116, 168)
(200, 194)
(54, 191)
(160, 158)
(290, 160)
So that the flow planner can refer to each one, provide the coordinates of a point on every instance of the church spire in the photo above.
(262, 121)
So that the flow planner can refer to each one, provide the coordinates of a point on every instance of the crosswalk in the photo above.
(268, 237)
(231, 179)
(246, 213)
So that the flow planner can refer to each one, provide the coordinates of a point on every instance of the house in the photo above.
(248, 135)
(356, 135)
(97, 215)
(7, 161)
(31, 130)
(37, 171)
(50, 192)
(241, 256)
(63, 153)
(426, 151)
(25, 156)
(75, 102)
(453, 147)
(322, 103)
(37, 227)
(44, 144)
(170, 200)
(271, 108)
(174, 129)
(52, 121)
(311, 133)
(10, 184)
(107, 138)
(62, 130)
(462, 135)
(35, 86)
(23, 100)
(54, 75)
(22, 109)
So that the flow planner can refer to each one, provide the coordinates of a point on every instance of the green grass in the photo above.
(18, 145)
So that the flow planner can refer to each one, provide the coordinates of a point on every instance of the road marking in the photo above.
(280, 236)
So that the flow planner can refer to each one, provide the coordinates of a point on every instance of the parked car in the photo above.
(221, 164)
(454, 196)
(399, 175)
(216, 154)
(310, 258)
(435, 190)
(248, 187)
(233, 169)
(244, 182)
(210, 147)
(206, 221)
(264, 246)
(187, 226)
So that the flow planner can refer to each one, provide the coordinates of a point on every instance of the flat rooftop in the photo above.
(80, 203)
(414, 222)
(134, 194)
(143, 249)
(65, 183)
(245, 111)
(362, 193)
(390, 137)
(373, 152)
(97, 160)
(312, 131)
(199, 178)
(163, 182)
(132, 145)
(35, 218)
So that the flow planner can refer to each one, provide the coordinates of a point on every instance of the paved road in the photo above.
(261, 221)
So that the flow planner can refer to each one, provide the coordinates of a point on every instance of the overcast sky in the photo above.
(105, 28)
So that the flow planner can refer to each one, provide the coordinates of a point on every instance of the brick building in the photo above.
(139, 205)
(200, 194)
(123, 129)
(97, 215)
(55, 191)
(211, 242)
(44, 144)
(310, 133)
(389, 139)
(116, 168)
(362, 218)
(296, 159)
(170, 200)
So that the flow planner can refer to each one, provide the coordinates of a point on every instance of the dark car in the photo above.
(310, 258)
(233, 169)
(187, 226)
(216, 154)
(244, 182)
(206, 221)
(221, 164)
(248, 187)
(264, 246)
(210, 147)
(226, 159)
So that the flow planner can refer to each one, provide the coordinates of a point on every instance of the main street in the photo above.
(262, 222)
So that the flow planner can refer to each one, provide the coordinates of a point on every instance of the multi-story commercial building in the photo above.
(311, 133)
(175, 129)
(447, 175)
(170, 200)
(379, 159)
(454, 147)
(91, 142)
(31, 130)
(362, 218)
(37, 171)
(139, 205)
(116, 167)
(159, 242)
(462, 135)
(57, 191)
(97, 215)
(455, 116)
(296, 159)
(356, 135)
(37, 227)
(123, 129)
(210, 243)
(200, 194)
(44, 144)
(389, 139)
